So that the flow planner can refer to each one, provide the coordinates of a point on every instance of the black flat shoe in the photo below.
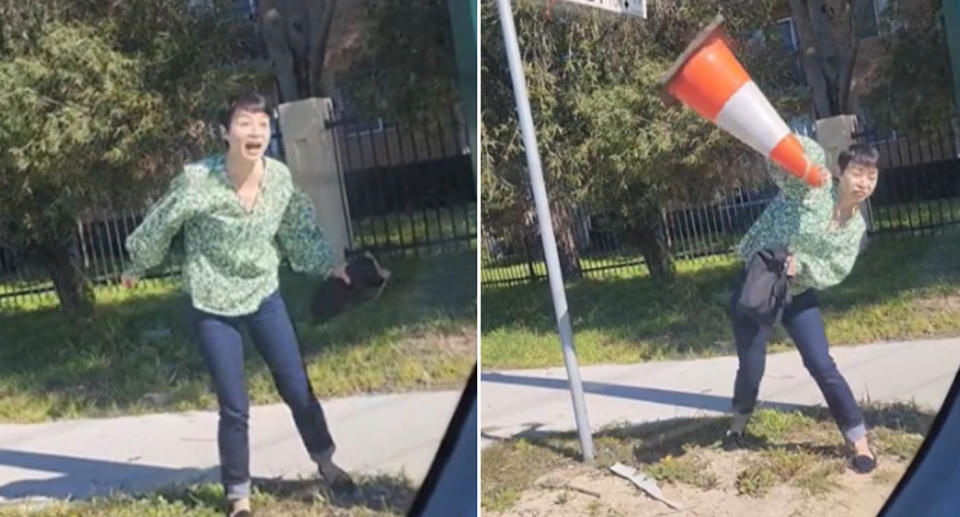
(864, 464)
(338, 478)
(732, 441)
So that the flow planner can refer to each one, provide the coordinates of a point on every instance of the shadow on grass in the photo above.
(651, 442)
(378, 494)
(689, 315)
(139, 354)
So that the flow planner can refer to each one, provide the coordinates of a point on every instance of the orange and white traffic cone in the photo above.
(709, 79)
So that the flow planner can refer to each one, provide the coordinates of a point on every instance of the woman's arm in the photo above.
(148, 244)
(301, 240)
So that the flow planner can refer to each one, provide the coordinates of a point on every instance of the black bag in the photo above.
(333, 295)
(766, 287)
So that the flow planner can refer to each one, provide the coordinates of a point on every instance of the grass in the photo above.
(690, 468)
(900, 288)
(139, 354)
(803, 469)
(377, 496)
(802, 449)
(507, 470)
(416, 226)
(918, 213)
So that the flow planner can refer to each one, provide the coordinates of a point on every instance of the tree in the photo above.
(405, 68)
(829, 44)
(608, 143)
(912, 86)
(296, 33)
(75, 117)
(103, 103)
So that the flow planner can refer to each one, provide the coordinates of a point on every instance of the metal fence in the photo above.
(97, 245)
(409, 188)
(691, 232)
(918, 192)
(919, 187)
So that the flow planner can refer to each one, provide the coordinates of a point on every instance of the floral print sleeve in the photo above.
(149, 243)
(301, 239)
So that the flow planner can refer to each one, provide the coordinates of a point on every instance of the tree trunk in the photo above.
(295, 33)
(650, 236)
(827, 30)
(321, 19)
(564, 229)
(72, 286)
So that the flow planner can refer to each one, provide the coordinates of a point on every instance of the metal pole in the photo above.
(546, 227)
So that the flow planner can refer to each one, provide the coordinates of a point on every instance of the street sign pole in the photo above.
(546, 227)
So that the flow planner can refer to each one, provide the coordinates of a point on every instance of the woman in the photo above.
(822, 230)
(239, 212)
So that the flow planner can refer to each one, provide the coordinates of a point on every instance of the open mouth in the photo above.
(253, 147)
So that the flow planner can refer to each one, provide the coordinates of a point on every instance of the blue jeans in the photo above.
(804, 324)
(221, 344)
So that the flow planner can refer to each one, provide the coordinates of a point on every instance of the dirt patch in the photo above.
(940, 303)
(581, 491)
(462, 342)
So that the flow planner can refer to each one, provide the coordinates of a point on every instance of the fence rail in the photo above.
(918, 193)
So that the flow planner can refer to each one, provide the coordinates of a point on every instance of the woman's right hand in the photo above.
(128, 281)
(341, 273)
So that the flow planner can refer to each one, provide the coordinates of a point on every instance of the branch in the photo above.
(812, 60)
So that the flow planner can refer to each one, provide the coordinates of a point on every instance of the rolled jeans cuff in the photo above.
(856, 433)
(238, 491)
(323, 456)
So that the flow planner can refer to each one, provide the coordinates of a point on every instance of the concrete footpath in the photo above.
(516, 401)
(80, 458)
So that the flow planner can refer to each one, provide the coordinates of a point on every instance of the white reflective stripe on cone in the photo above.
(750, 117)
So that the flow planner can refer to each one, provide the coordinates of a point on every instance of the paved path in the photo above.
(79, 458)
(514, 401)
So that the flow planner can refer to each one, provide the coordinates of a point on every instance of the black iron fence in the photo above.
(691, 232)
(409, 188)
(99, 250)
(918, 192)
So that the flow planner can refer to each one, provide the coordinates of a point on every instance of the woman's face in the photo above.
(857, 182)
(248, 134)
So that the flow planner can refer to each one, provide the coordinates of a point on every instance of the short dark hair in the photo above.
(246, 101)
(858, 154)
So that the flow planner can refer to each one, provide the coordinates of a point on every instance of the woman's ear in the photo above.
(223, 133)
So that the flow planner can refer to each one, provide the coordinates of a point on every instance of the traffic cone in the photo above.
(709, 79)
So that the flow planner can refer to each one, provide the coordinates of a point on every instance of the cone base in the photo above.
(714, 28)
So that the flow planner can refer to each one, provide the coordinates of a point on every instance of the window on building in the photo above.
(788, 33)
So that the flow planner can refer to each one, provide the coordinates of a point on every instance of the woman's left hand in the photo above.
(791, 266)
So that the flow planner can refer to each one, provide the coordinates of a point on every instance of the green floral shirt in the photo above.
(800, 217)
(232, 255)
